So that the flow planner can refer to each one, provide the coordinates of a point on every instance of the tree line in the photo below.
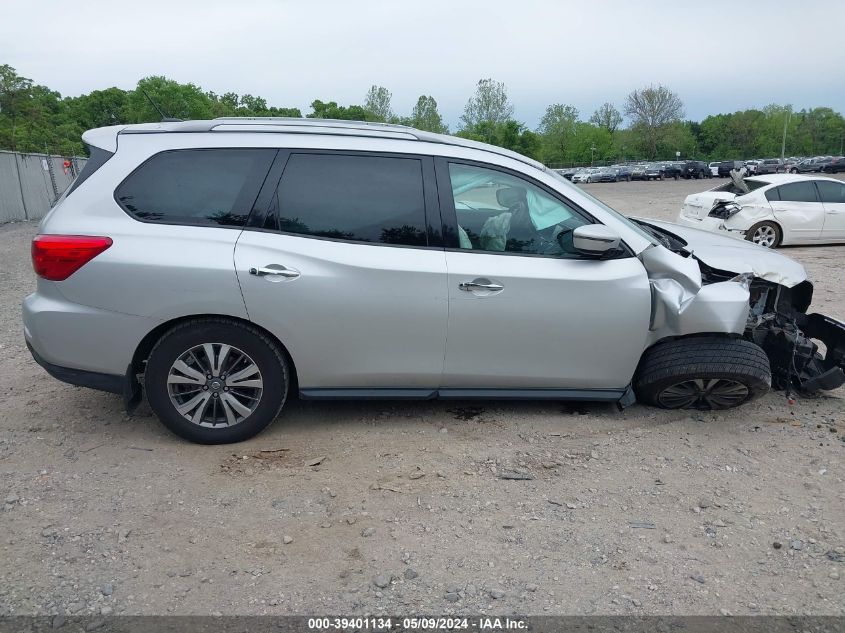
(34, 118)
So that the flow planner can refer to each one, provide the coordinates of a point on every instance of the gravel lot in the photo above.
(380, 508)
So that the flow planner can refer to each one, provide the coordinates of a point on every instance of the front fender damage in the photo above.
(681, 304)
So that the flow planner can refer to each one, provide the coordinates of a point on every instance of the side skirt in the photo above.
(606, 395)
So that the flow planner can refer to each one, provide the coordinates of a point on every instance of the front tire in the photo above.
(215, 381)
(766, 234)
(703, 373)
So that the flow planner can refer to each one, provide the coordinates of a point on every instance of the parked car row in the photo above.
(792, 165)
(638, 171)
(700, 169)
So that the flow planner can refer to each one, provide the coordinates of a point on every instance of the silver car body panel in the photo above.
(356, 315)
(540, 330)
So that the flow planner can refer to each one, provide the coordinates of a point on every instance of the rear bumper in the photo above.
(79, 338)
(81, 377)
(714, 225)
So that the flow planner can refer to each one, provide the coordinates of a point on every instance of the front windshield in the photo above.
(629, 223)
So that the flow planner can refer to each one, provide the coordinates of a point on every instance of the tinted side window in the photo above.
(196, 186)
(831, 192)
(799, 192)
(773, 194)
(361, 198)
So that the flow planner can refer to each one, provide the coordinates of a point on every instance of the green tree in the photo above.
(557, 129)
(175, 100)
(489, 104)
(15, 93)
(330, 110)
(607, 116)
(377, 103)
(652, 110)
(426, 117)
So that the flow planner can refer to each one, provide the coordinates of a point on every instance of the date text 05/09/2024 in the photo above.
(417, 623)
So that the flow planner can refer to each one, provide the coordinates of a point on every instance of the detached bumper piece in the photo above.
(795, 357)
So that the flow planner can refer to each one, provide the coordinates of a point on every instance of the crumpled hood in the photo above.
(739, 256)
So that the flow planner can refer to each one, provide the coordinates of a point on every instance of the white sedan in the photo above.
(771, 210)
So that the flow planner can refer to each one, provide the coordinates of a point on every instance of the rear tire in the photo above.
(704, 373)
(766, 234)
(229, 407)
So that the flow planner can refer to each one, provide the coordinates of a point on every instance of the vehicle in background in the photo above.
(808, 165)
(583, 175)
(568, 173)
(714, 168)
(297, 257)
(727, 166)
(695, 169)
(603, 174)
(638, 172)
(673, 169)
(788, 163)
(751, 167)
(623, 172)
(655, 171)
(769, 166)
(771, 210)
(834, 165)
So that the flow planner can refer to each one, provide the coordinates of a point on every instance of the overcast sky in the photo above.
(719, 56)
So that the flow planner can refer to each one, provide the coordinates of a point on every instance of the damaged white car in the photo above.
(772, 210)
(220, 267)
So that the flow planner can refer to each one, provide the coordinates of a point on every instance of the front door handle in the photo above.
(276, 271)
(480, 284)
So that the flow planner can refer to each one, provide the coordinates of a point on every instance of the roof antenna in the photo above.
(164, 118)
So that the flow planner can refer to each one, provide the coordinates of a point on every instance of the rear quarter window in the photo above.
(214, 187)
(799, 192)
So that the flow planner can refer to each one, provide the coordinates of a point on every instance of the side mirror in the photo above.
(595, 239)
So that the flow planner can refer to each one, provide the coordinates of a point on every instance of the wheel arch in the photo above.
(142, 351)
(680, 337)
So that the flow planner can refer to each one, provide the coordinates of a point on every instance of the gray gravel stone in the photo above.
(452, 597)
(410, 574)
(496, 594)
(107, 589)
(368, 531)
(382, 580)
(796, 544)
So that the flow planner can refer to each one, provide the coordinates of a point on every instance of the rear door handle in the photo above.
(275, 272)
(480, 284)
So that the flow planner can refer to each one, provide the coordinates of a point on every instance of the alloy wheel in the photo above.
(701, 393)
(765, 236)
(215, 385)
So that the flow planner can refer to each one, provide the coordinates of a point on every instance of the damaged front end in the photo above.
(778, 322)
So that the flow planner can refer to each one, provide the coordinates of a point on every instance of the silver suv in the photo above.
(221, 266)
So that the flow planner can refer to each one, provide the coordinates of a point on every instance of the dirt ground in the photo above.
(352, 508)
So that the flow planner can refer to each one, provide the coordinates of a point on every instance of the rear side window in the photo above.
(798, 192)
(773, 194)
(97, 159)
(196, 186)
(831, 192)
(360, 198)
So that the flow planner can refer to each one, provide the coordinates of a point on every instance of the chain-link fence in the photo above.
(31, 183)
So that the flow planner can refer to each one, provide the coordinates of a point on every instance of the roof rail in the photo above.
(294, 125)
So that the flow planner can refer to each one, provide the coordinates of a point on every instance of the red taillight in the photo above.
(57, 257)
